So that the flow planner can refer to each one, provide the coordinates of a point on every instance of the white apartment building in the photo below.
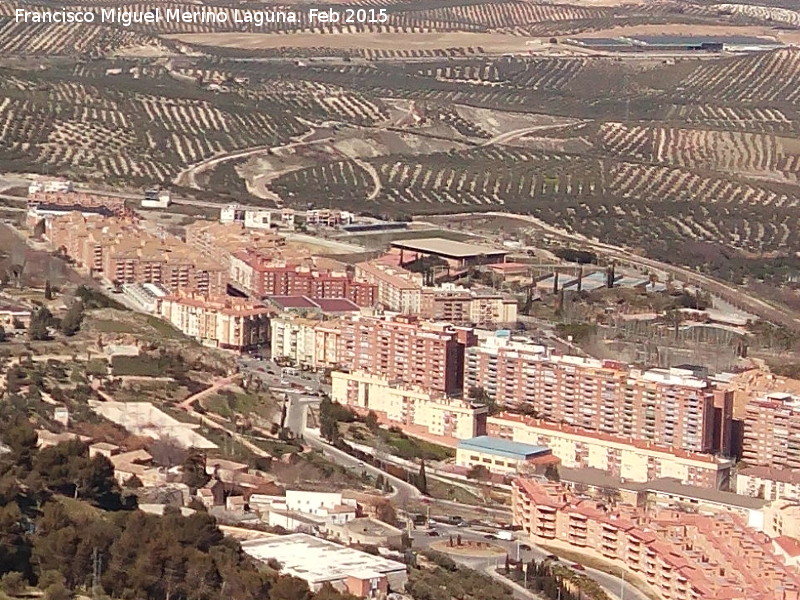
(399, 290)
(304, 510)
(294, 340)
(415, 410)
(626, 458)
(252, 218)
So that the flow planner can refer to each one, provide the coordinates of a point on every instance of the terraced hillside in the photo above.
(608, 199)
(148, 129)
(447, 106)
(734, 152)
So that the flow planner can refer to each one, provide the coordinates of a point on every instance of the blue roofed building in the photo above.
(500, 455)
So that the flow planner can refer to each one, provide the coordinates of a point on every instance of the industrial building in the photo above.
(500, 455)
(317, 561)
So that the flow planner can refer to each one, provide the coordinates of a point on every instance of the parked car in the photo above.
(525, 547)
(578, 567)
(433, 533)
(552, 557)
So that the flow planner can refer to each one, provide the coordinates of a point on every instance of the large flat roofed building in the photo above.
(500, 455)
(458, 254)
(318, 561)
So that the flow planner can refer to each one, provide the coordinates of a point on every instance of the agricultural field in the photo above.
(447, 106)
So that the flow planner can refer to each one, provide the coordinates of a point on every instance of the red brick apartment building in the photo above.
(262, 275)
(403, 348)
(681, 556)
(772, 431)
(669, 407)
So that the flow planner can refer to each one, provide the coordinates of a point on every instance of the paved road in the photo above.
(217, 385)
(406, 493)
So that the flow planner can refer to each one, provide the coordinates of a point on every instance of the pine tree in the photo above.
(71, 323)
(422, 479)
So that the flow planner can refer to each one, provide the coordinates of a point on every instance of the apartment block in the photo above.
(218, 241)
(769, 483)
(680, 555)
(294, 339)
(772, 431)
(262, 274)
(416, 410)
(120, 251)
(218, 321)
(670, 407)
(398, 347)
(44, 205)
(403, 348)
(630, 459)
(398, 289)
(462, 306)
(782, 518)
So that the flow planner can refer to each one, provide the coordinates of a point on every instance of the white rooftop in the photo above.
(316, 560)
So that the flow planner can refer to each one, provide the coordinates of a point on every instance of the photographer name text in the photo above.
(257, 18)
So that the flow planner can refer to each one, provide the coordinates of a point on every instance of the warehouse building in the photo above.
(500, 455)
(318, 561)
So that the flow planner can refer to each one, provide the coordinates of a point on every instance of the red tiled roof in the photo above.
(790, 545)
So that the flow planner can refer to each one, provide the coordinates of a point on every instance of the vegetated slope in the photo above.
(644, 205)
(761, 119)
(67, 39)
(121, 129)
(734, 152)
(767, 78)
(781, 13)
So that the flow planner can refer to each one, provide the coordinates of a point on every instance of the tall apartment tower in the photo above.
(772, 432)
(403, 348)
(666, 406)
